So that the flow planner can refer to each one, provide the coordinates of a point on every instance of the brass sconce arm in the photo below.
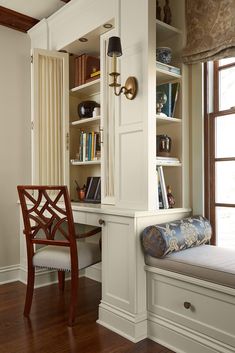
(130, 88)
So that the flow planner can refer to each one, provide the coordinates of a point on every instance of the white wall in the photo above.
(14, 138)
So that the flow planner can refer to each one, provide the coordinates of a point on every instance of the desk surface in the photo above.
(112, 210)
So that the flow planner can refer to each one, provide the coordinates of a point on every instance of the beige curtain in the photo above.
(210, 27)
(50, 104)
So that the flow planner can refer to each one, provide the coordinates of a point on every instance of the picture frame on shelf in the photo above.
(93, 190)
(171, 90)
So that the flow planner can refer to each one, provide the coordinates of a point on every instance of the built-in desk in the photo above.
(123, 304)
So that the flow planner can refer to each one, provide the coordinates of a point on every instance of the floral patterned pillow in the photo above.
(162, 239)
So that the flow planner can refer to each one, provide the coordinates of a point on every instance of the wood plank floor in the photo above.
(46, 331)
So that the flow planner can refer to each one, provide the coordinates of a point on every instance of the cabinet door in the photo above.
(50, 127)
(118, 262)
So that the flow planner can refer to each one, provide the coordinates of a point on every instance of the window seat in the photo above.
(190, 294)
(206, 262)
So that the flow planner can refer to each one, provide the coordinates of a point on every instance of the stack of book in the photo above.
(87, 68)
(168, 161)
(168, 68)
(89, 146)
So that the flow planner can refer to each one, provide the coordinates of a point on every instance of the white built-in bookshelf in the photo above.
(173, 169)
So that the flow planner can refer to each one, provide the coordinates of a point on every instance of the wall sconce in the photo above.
(130, 88)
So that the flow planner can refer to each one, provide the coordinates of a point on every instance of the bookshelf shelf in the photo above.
(74, 162)
(87, 121)
(165, 121)
(88, 89)
(165, 31)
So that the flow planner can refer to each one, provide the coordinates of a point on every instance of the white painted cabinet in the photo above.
(128, 154)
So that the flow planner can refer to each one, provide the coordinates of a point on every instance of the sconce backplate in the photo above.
(131, 87)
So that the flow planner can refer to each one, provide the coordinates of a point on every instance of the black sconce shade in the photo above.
(114, 47)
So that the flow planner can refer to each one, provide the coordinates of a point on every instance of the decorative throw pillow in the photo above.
(162, 239)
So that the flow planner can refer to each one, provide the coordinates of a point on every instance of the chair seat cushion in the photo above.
(58, 257)
(206, 262)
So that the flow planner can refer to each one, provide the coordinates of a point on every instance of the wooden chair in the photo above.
(48, 221)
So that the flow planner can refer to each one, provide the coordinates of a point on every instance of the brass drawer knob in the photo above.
(187, 305)
(101, 222)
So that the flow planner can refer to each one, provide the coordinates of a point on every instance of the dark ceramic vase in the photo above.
(163, 145)
(85, 109)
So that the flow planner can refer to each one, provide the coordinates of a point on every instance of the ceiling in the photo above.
(22, 15)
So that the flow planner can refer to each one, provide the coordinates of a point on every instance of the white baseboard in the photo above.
(132, 327)
(181, 339)
(43, 277)
(9, 274)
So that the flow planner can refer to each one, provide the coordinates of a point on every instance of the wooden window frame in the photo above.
(209, 143)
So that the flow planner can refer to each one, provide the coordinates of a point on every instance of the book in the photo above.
(168, 68)
(93, 190)
(174, 97)
(92, 64)
(89, 146)
(171, 90)
(76, 71)
(86, 69)
(160, 201)
(163, 187)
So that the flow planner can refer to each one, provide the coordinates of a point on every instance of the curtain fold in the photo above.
(50, 120)
(210, 28)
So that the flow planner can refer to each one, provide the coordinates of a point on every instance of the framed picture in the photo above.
(93, 190)
(171, 90)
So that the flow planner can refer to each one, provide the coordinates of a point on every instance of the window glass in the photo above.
(224, 136)
(227, 88)
(225, 227)
(226, 61)
(225, 182)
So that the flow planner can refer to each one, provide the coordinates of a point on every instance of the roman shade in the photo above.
(210, 27)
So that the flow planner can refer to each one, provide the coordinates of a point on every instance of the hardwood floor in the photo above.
(46, 331)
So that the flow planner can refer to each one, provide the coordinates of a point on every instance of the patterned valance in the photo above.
(210, 27)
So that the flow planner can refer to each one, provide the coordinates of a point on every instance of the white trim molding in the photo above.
(43, 277)
(9, 274)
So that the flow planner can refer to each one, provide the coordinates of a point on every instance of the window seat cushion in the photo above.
(206, 262)
(58, 257)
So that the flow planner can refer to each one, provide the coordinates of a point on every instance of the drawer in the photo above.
(202, 309)
(93, 219)
(80, 217)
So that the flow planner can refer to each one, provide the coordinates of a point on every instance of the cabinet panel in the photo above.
(118, 264)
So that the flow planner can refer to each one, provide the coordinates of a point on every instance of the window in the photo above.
(220, 151)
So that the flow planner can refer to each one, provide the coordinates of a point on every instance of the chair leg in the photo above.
(29, 291)
(73, 298)
(61, 279)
